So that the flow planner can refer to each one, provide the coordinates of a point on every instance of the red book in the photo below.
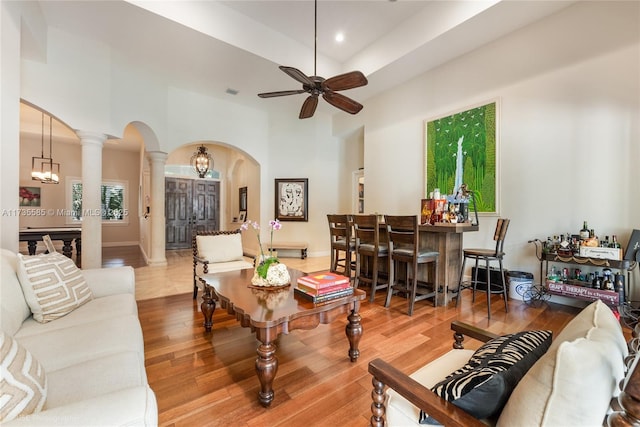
(323, 280)
(322, 291)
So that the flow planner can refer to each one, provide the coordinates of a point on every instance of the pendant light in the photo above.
(202, 161)
(43, 168)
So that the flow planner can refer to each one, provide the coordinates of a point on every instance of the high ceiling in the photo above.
(212, 46)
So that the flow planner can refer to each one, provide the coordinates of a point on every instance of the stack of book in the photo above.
(322, 287)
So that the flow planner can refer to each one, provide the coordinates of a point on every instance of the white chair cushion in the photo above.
(400, 412)
(220, 248)
(23, 382)
(572, 384)
(52, 284)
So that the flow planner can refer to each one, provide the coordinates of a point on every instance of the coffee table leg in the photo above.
(266, 368)
(208, 306)
(354, 332)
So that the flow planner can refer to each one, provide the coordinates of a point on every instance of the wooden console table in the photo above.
(446, 239)
(273, 312)
(66, 234)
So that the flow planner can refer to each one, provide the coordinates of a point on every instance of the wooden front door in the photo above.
(190, 205)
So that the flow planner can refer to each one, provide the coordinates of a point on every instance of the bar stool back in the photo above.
(370, 250)
(342, 243)
(487, 255)
(404, 250)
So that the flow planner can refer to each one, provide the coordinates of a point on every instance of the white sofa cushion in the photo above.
(98, 309)
(13, 307)
(94, 377)
(134, 406)
(52, 284)
(23, 383)
(572, 384)
(61, 348)
(220, 248)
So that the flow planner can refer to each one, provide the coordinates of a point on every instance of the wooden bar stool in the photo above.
(342, 243)
(371, 250)
(404, 250)
(487, 255)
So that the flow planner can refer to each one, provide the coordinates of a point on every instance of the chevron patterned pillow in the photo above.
(23, 384)
(52, 284)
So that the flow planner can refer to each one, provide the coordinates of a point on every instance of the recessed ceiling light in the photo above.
(339, 37)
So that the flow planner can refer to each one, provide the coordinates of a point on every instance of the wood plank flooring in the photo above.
(208, 379)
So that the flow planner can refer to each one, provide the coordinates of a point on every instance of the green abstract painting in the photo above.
(462, 148)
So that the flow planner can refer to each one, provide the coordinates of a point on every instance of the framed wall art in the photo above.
(29, 196)
(292, 199)
(462, 148)
(242, 198)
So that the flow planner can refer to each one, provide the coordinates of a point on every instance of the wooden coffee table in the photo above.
(273, 312)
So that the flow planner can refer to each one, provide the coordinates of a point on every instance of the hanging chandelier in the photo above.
(202, 161)
(44, 169)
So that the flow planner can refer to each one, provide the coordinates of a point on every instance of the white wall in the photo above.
(569, 94)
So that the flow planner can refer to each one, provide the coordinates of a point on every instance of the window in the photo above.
(113, 202)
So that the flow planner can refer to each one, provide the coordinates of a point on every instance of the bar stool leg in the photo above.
(464, 261)
(488, 289)
(392, 281)
(504, 287)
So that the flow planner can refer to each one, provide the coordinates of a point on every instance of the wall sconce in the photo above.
(202, 161)
(43, 168)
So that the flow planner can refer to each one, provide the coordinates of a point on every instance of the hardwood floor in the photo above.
(209, 378)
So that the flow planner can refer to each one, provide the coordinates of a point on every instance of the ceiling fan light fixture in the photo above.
(316, 85)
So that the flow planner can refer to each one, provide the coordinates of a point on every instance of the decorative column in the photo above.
(157, 160)
(92, 143)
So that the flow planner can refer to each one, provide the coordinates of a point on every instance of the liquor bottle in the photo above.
(584, 233)
(614, 243)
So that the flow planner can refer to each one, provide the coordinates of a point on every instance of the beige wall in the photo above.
(116, 165)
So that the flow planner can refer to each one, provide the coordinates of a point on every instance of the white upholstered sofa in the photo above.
(91, 359)
(572, 382)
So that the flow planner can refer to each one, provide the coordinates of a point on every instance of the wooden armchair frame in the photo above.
(199, 260)
(385, 375)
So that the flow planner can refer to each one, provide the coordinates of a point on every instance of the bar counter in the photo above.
(447, 239)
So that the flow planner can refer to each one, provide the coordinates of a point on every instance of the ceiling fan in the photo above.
(316, 85)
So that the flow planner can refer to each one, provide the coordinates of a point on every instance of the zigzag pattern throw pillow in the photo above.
(52, 284)
(23, 384)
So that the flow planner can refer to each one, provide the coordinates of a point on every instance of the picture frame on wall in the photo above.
(243, 216)
(462, 148)
(242, 199)
(29, 196)
(291, 199)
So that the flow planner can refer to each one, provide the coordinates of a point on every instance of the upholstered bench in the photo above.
(572, 383)
(217, 251)
(301, 246)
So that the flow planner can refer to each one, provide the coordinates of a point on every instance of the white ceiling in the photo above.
(211, 46)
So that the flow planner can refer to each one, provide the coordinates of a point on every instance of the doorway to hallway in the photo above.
(191, 205)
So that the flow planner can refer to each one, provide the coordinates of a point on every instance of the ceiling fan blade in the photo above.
(298, 75)
(342, 102)
(346, 81)
(281, 93)
(309, 107)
